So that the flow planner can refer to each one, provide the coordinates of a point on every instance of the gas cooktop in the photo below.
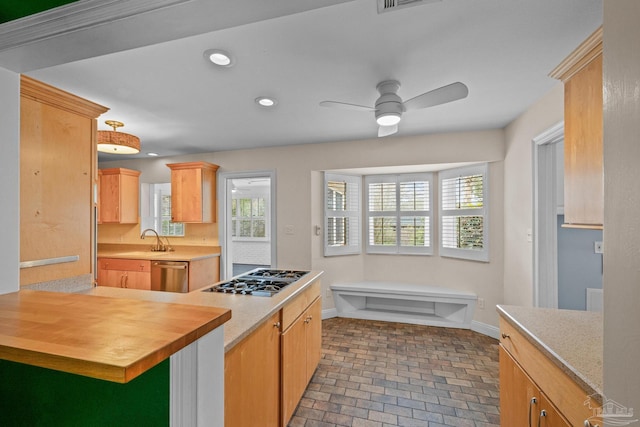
(259, 282)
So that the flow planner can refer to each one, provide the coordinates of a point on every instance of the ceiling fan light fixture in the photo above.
(388, 119)
(113, 142)
(219, 57)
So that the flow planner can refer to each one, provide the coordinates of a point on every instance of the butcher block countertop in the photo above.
(248, 311)
(571, 339)
(180, 253)
(113, 339)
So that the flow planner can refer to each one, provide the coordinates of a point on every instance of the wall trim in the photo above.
(329, 313)
(72, 17)
(485, 329)
(479, 327)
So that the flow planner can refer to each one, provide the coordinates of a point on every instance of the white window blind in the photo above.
(342, 214)
(398, 215)
(248, 218)
(464, 213)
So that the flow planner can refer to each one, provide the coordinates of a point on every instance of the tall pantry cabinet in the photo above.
(58, 173)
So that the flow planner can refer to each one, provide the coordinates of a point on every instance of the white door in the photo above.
(247, 225)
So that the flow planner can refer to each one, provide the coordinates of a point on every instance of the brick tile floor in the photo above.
(378, 374)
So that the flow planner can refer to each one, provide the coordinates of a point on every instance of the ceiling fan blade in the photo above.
(442, 95)
(345, 106)
(387, 130)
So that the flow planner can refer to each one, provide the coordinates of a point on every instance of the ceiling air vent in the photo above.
(391, 5)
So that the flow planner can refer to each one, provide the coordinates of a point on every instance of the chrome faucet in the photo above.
(159, 247)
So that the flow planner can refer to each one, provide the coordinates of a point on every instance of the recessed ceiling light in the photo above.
(219, 57)
(152, 154)
(265, 101)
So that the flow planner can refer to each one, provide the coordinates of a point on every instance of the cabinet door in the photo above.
(517, 394)
(186, 195)
(137, 280)
(314, 337)
(252, 378)
(193, 192)
(119, 196)
(583, 150)
(549, 414)
(294, 366)
(112, 278)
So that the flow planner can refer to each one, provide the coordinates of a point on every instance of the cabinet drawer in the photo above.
(292, 310)
(565, 393)
(124, 264)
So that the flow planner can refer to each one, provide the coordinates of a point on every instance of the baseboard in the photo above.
(483, 328)
(329, 313)
(479, 327)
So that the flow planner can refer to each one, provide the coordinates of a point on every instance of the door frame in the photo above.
(224, 226)
(545, 221)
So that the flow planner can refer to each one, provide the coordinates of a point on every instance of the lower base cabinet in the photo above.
(534, 391)
(124, 273)
(266, 373)
(252, 378)
(522, 403)
(300, 356)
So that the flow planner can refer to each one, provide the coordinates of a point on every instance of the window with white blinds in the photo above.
(464, 213)
(398, 214)
(342, 214)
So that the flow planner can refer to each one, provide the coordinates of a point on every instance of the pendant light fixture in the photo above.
(113, 142)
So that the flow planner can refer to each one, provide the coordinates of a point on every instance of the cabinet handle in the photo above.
(126, 279)
(532, 402)
(587, 423)
(543, 413)
(276, 325)
(505, 336)
(308, 319)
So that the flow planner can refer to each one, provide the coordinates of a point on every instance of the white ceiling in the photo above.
(177, 103)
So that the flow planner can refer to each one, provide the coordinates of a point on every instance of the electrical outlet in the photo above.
(481, 303)
(288, 229)
(598, 247)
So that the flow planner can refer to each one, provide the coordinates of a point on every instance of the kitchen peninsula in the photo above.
(93, 341)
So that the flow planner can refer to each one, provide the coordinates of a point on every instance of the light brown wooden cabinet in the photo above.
(193, 192)
(252, 378)
(525, 374)
(581, 73)
(203, 272)
(300, 356)
(119, 196)
(58, 164)
(522, 403)
(272, 369)
(124, 273)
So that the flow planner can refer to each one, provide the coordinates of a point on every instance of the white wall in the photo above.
(10, 182)
(518, 195)
(622, 202)
(299, 204)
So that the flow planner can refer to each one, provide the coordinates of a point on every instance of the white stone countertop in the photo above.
(247, 312)
(571, 339)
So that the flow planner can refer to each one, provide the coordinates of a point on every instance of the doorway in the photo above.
(247, 226)
(546, 180)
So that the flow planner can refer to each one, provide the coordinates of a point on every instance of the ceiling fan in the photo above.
(389, 106)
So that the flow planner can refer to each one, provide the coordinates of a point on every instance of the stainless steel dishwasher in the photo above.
(170, 276)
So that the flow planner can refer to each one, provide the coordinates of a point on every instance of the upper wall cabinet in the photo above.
(57, 177)
(581, 74)
(193, 192)
(119, 196)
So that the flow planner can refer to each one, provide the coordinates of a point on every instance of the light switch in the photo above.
(288, 229)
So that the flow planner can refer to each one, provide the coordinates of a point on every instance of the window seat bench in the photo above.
(405, 303)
